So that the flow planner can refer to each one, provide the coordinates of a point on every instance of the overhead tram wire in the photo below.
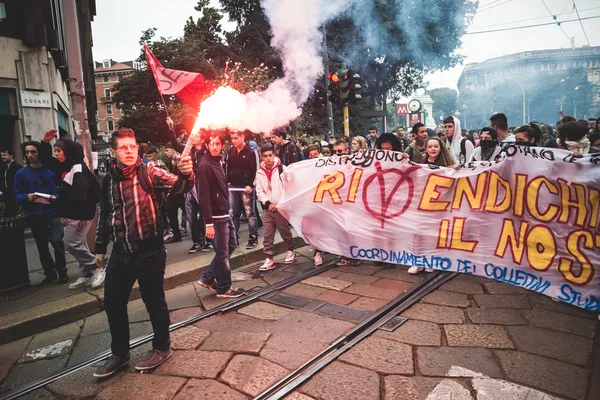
(490, 7)
(528, 26)
(533, 19)
(559, 24)
(580, 23)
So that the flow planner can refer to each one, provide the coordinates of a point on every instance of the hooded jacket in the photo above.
(79, 190)
(269, 186)
(455, 146)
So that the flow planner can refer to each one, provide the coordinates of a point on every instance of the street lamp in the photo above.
(522, 91)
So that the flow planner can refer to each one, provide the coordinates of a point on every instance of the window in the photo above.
(2, 12)
(106, 92)
(111, 125)
(109, 109)
(105, 78)
(106, 63)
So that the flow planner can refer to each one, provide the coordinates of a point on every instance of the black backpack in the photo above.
(462, 158)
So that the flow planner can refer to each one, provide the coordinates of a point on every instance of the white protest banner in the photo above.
(531, 220)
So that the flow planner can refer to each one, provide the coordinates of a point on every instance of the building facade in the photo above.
(106, 75)
(45, 48)
(528, 66)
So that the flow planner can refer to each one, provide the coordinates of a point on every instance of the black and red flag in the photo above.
(188, 86)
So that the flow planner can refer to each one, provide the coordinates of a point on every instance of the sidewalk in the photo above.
(54, 305)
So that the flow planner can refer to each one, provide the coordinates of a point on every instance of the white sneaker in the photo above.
(318, 260)
(98, 278)
(168, 235)
(429, 270)
(268, 265)
(82, 281)
(415, 270)
(290, 257)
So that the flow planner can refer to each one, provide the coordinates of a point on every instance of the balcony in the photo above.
(108, 99)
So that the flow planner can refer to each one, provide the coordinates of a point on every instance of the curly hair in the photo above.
(444, 159)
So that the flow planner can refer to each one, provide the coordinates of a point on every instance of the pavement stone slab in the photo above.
(449, 389)
(373, 291)
(236, 342)
(495, 316)
(399, 274)
(53, 343)
(416, 333)
(252, 375)
(183, 313)
(340, 381)
(363, 269)
(136, 311)
(504, 288)
(210, 300)
(10, 353)
(264, 310)
(332, 296)
(408, 388)
(291, 350)
(81, 384)
(302, 290)
(392, 284)
(546, 303)
(435, 313)
(368, 303)
(188, 338)
(495, 389)
(327, 283)
(194, 364)
(40, 394)
(437, 361)
(544, 373)
(298, 396)
(561, 322)
(277, 276)
(95, 324)
(462, 286)
(356, 278)
(444, 298)
(182, 297)
(142, 387)
(234, 321)
(89, 346)
(381, 355)
(502, 301)
(488, 336)
(561, 346)
(208, 389)
(21, 374)
(331, 274)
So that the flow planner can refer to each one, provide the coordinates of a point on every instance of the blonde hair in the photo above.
(362, 142)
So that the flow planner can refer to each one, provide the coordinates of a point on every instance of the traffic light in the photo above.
(353, 86)
(344, 86)
(334, 87)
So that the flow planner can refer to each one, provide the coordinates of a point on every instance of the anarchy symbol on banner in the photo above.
(386, 198)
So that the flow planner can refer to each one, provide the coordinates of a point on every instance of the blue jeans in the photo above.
(248, 201)
(48, 230)
(224, 244)
(194, 216)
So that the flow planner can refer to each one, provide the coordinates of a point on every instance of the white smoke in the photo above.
(295, 26)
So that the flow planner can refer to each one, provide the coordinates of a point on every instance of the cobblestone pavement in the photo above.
(471, 339)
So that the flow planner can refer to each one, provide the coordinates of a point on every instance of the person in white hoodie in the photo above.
(460, 147)
(269, 191)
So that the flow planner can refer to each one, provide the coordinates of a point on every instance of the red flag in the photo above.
(188, 86)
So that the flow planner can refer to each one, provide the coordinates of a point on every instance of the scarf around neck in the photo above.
(581, 146)
(121, 173)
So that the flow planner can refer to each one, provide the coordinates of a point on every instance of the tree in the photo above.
(444, 102)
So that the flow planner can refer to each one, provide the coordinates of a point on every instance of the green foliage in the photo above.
(392, 65)
(444, 102)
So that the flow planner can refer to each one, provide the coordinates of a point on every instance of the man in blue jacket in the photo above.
(42, 212)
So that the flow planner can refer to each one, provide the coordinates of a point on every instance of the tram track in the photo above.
(232, 305)
(344, 343)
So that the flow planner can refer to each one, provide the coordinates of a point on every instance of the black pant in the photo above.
(121, 273)
(48, 230)
(174, 203)
(11, 206)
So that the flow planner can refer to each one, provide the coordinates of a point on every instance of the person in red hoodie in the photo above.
(269, 190)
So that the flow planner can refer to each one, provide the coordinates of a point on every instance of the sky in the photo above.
(118, 25)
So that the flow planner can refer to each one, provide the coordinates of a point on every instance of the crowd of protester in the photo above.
(214, 188)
